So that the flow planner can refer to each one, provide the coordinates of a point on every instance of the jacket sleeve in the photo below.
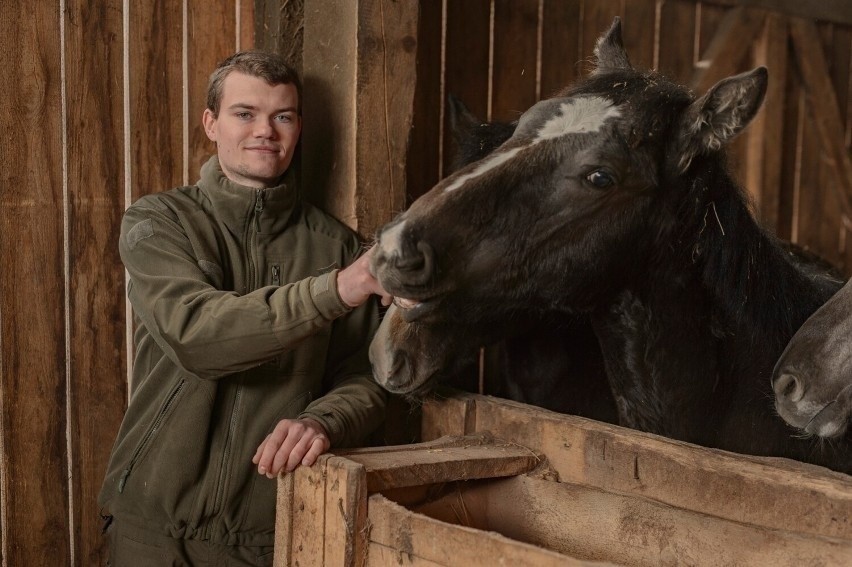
(355, 404)
(206, 331)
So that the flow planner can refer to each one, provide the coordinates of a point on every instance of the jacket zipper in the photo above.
(258, 208)
(276, 274)
(224, 471)
(149, 435)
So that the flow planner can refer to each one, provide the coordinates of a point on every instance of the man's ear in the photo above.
(209, 122)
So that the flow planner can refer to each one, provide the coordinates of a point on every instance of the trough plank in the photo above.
(308, 515)
(407, 467)
(774, 493)
(592, 524)
(346, 512)
(414, 536)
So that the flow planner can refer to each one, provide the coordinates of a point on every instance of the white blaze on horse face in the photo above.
(389, 240)
(578, 116)
(493, 161)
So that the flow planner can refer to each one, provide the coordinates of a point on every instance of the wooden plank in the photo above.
(346, 513)
(204, 51)
(774, 493)
(308, 513)
(155, 97)
(34, 466)
(387, 50)
(596, 525)
(466, 63)
(791, 128)
(97, 392)
(639, 20)
(417, 537)
(328, 105)
(360, 62)
(727, 49)
(284, 514)
(406, 467)
(561, 37)
(676, 50)
(424, 167)
(452, 416)
(514, 81)
(766, 133)
(246, 29)
(822, 102)
(837, 11)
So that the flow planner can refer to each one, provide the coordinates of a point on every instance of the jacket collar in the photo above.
(270, 210)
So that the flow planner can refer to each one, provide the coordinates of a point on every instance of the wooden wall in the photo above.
(101, 103)
(501, 56)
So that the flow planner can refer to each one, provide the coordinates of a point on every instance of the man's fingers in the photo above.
(318, 446)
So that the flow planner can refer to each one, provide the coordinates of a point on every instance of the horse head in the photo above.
(556, 217)
(813, 378)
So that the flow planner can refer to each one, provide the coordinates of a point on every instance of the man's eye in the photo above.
(243, 115)
(283, 118)
(600, 179)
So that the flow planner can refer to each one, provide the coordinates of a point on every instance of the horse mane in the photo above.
(761, 287)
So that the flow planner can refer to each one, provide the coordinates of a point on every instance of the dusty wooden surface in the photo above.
(775, 493)
(509, 482)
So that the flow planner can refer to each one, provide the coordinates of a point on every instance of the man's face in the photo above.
(256, 130)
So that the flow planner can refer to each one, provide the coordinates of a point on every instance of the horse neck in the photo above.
(750, 277)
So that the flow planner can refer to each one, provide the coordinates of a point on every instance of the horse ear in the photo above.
(719, 115)
(462, 120)
(609, 50)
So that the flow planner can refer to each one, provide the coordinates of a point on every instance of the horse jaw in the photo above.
(393, 368)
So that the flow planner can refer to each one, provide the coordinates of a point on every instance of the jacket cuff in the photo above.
(326, 297)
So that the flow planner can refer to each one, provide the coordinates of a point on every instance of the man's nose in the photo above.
(264, 128)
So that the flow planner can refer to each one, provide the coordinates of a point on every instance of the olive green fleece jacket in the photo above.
(239, 325)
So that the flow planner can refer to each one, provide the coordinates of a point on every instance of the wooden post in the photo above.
(359, 75)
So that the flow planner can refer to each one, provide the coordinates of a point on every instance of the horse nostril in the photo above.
(789, 387)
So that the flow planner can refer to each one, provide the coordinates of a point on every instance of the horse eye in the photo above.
(600, 179)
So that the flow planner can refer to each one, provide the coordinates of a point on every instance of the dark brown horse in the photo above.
(612, 199)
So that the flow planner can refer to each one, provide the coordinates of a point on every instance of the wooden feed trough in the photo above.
(502, 483)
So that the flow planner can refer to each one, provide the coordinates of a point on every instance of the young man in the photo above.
(251, 342)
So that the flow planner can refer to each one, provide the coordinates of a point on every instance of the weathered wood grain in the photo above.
(415, 537)
(515, 39)
(204, 51)
(34, 467)
(95, 192)
(774, 493)
(597, 525)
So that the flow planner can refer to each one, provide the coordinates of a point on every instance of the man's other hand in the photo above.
(291, 443)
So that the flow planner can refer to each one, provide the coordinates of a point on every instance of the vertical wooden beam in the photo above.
(822, 102)
(155, 96)
(359, 62)
(725, 53)
(766, 134)
(34, 468)
(204, 51)
(95, 191)
(515, 39)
